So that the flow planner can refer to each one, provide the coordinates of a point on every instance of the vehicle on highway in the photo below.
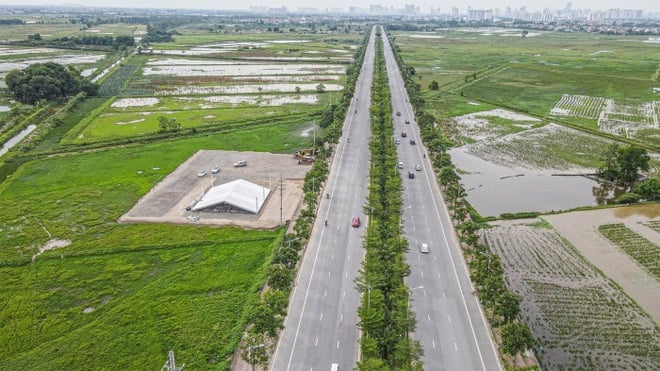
(404, 134)
(411, 175)
(408, 122)
(215, 170)
(418, 167)
(355, 222)
(399, 165)
(397, 141)
(398, 113)
(201, 173)
(240, 163)
(334, 367)
(424, 247)
(412, 142)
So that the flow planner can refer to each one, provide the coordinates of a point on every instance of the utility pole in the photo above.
(170, 364)
(281, 197)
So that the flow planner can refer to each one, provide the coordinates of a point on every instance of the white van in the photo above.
(240, 163)
(334, 367)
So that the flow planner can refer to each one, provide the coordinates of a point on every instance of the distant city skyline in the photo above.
(648, 6)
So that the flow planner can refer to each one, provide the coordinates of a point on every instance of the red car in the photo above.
(355, 222)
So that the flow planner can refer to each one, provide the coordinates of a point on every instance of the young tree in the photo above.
(631, 160)
(649, 189)
(254, 350)
(434, 85)
(516, 338)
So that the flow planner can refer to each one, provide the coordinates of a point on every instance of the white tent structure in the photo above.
(237, 194)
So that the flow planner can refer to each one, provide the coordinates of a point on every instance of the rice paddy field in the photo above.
(81, 290)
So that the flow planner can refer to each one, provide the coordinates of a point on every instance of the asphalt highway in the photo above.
(450, 323)
(321, 325)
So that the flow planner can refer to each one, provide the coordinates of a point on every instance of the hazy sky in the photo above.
(646, 5)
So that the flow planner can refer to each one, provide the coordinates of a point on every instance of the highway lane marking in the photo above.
(337, 344)
(325, 293)
(422, 273)
(424, 294)
(439, 276)
(443, 295)
(321, 319)
(316, 343)
(455, 346)
(429, 316)
(346, 275)
(333, 256)
(344, 294)
(433, 343)
(341, 318)
(328, 273)
(449, 318)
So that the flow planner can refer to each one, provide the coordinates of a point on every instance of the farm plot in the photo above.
(22, 58)
(189, 67)
(616, 117)
(645, 252)
(654, 224)
(490, 124)
(549, 147)
(580, 318)
(113, 124)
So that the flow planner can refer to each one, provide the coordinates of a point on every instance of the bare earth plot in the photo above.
(581, 318)
(166, 202)
(581, 230)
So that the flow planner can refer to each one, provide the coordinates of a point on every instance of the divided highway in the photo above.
(321, 325)
(450, 324)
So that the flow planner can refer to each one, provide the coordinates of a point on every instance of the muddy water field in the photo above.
(581, 319)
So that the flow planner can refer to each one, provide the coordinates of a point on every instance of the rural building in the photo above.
(236, 196)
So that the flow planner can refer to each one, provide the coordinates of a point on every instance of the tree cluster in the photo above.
(46, 81)
(623, 164)
(158, 33)
(385, 317)
(101, 41)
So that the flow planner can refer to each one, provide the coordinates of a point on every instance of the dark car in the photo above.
(355, 222)
(398, 113)
(404, 134)
(411, 175)
(408, 122)
(412, 141)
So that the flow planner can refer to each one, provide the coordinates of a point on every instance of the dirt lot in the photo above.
(581, 230)
(166, 202)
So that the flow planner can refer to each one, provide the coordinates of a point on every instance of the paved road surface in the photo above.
(321, 326)
(450, 323)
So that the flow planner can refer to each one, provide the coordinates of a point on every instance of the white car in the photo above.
(397, 141)
(201, 173)
(240, 163)
(215, 170)
(424, 248)
(399, 165)
(418, 167)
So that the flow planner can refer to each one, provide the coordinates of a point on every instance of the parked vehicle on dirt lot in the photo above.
(215, 170)
(201, 173)
(240, 163)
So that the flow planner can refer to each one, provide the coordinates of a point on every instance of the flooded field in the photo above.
(16, 139)
(495, 189)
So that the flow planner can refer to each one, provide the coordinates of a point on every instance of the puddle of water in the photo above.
(494, 189)
(51, 244)
(649, 211)
(16, 139)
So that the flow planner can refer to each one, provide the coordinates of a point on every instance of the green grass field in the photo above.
(153, 287)
(529, 74)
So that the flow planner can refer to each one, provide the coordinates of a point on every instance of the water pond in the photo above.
(494, 189)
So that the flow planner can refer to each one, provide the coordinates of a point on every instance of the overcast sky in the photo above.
(646, 5)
